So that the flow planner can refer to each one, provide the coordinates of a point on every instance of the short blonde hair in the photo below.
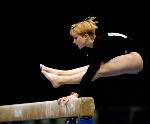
(87, 26)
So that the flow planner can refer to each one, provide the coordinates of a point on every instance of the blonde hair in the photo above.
(87, 26)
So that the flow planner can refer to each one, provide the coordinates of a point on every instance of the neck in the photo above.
(89, 43)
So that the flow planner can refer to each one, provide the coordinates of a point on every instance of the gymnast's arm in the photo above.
(131, 63)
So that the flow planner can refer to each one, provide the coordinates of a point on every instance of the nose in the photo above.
(74, 41)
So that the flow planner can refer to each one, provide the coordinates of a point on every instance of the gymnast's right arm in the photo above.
(131, 63)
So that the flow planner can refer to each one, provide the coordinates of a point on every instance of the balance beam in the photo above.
(83, 106)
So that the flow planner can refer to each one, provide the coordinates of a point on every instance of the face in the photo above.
(79, 40)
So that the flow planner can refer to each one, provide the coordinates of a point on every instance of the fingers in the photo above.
(59, 100)
(63, 99)
(66, 100)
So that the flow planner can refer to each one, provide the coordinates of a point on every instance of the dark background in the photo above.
(39, 33)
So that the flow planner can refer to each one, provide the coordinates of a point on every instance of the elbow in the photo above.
(137, 62)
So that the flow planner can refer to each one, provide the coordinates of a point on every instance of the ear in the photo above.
(86, 35)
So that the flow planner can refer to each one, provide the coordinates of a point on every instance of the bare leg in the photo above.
(124, 64)
(61, 80)
(64, 72)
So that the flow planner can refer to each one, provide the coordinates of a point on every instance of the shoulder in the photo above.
(112, 36)
(113, 40)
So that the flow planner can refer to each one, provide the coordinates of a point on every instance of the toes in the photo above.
(41, 66)
(45, 74)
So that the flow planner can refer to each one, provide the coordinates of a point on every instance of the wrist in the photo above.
(75, 94)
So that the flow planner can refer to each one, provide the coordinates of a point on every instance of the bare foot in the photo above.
(50, 70)
(52, 78)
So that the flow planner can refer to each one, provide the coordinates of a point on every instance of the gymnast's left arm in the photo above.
(66, 98)
(131, 63)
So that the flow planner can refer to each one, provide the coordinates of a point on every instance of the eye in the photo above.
(75, 37)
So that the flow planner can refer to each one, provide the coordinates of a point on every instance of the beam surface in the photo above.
(83, 106)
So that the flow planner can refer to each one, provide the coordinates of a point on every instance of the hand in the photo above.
(66, 98)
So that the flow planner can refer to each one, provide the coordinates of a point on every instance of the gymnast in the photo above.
(110, 55)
